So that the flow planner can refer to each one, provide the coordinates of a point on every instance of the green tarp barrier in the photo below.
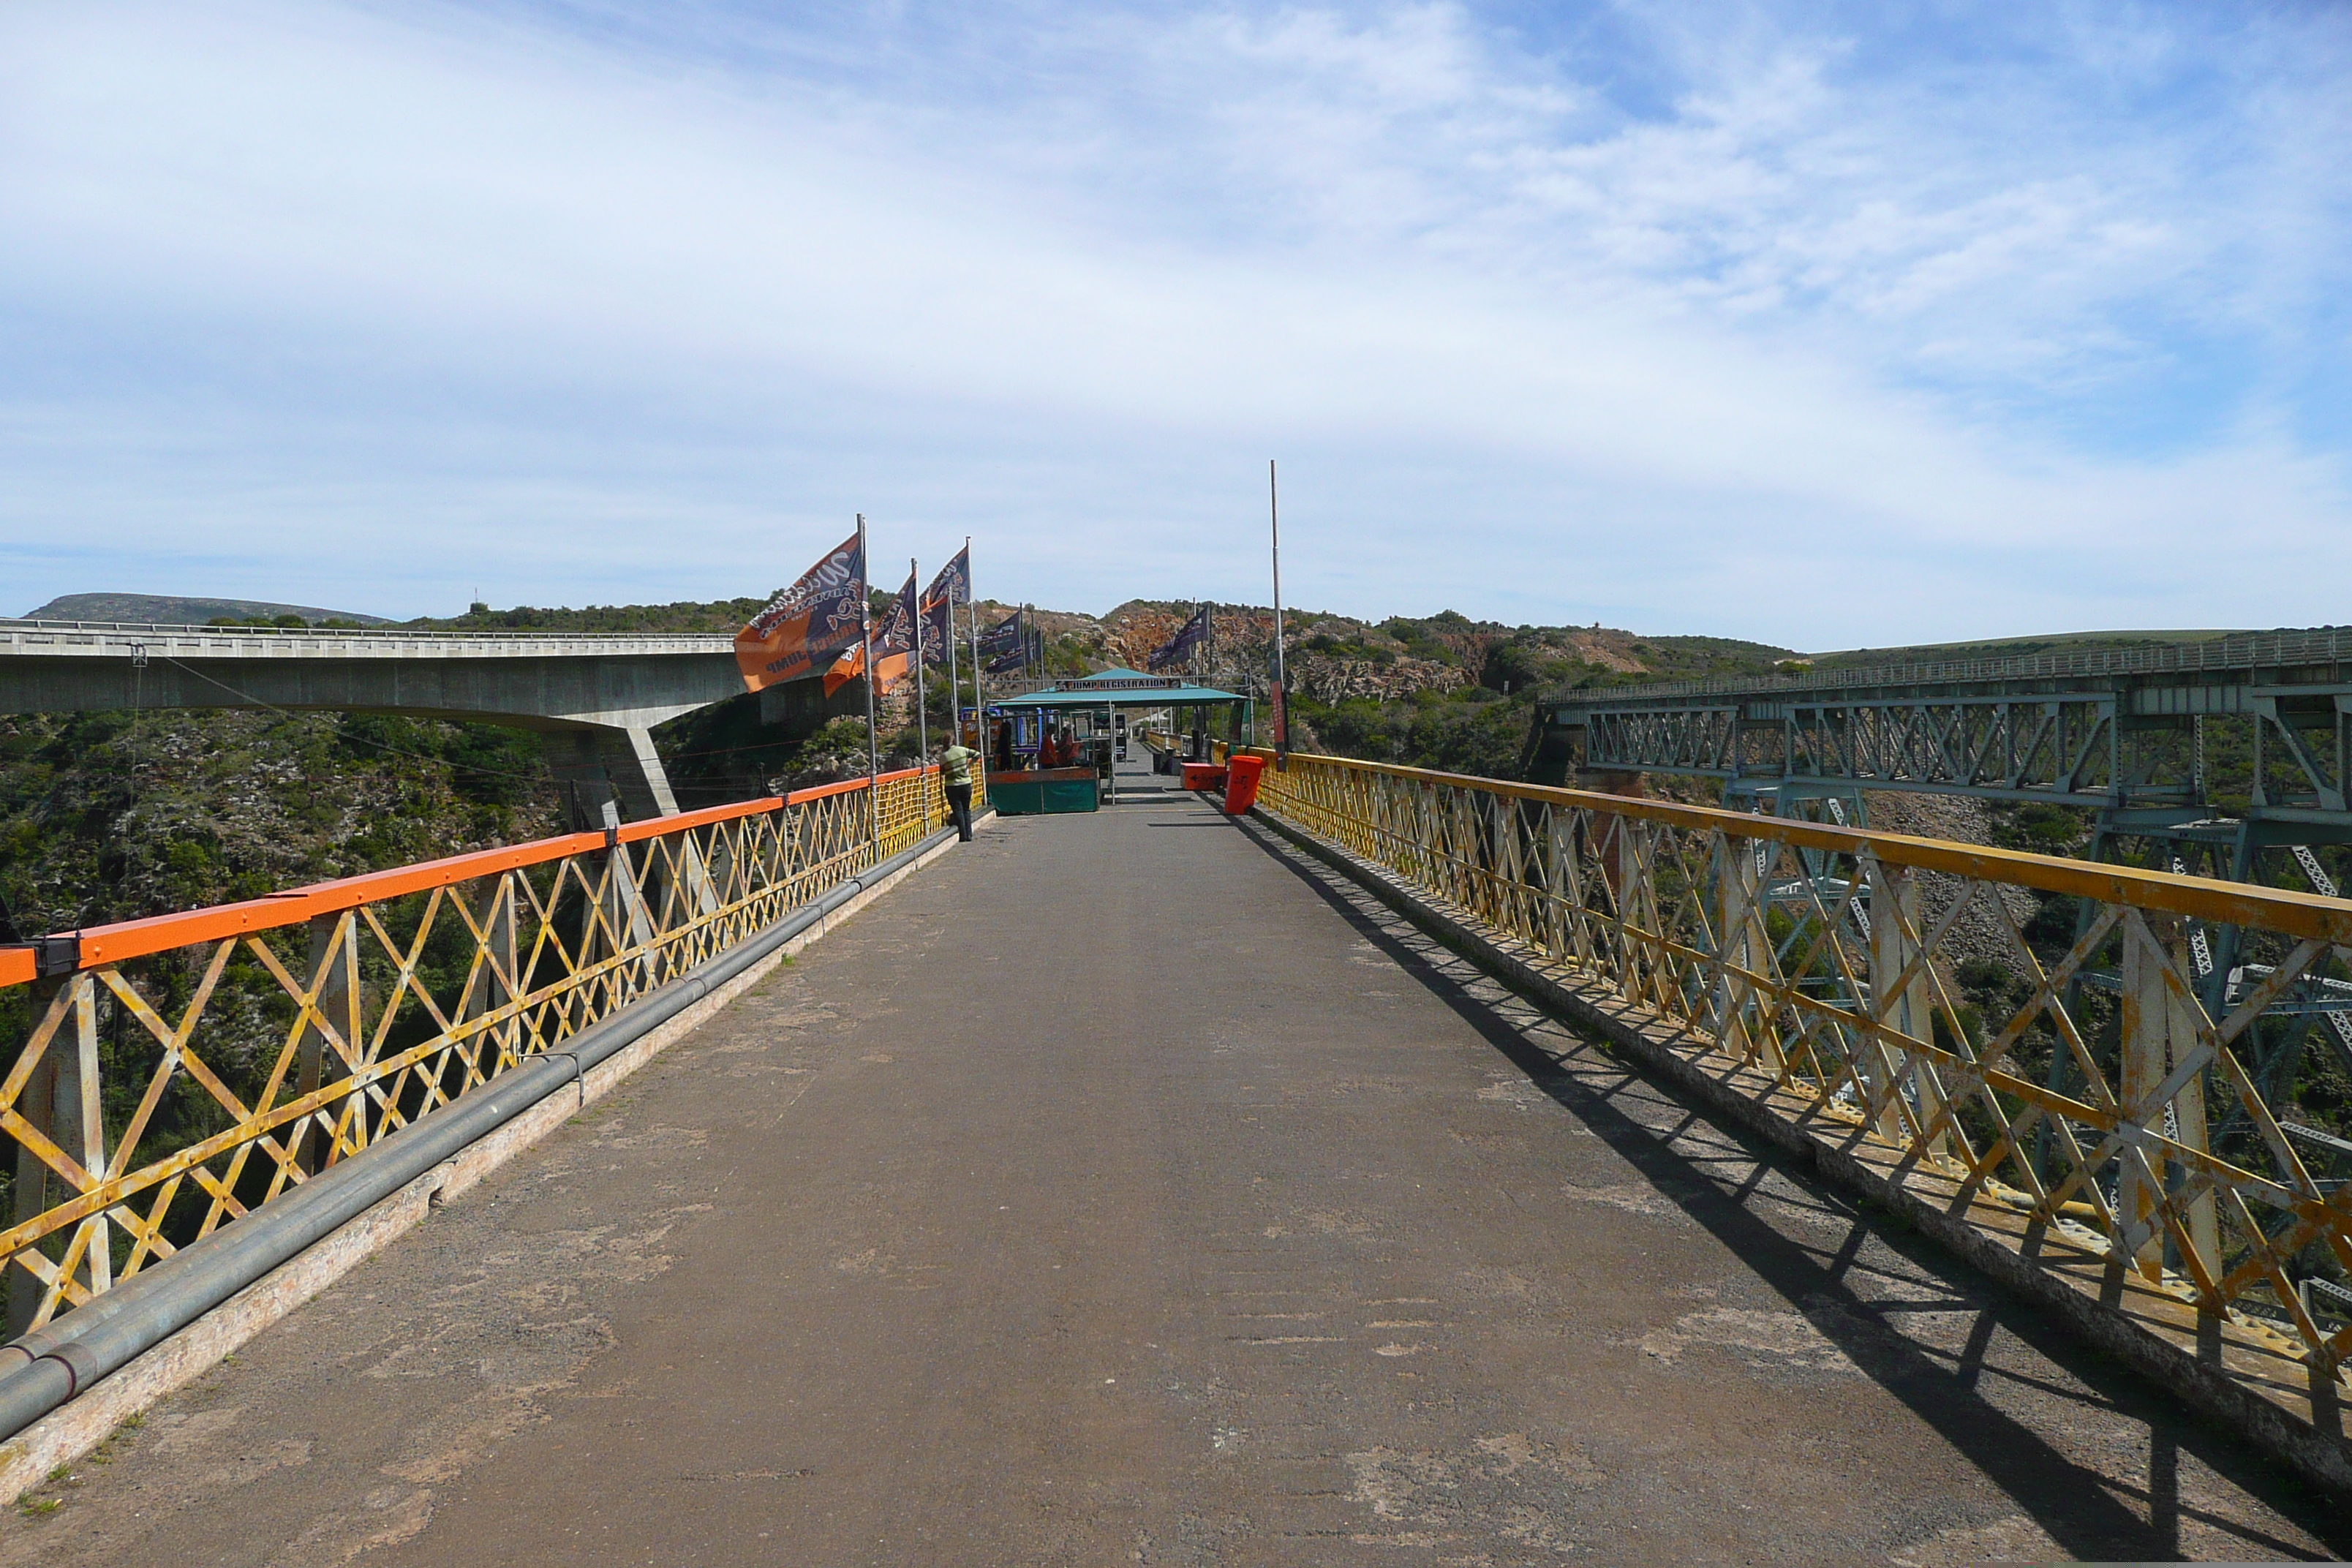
(1030, 797)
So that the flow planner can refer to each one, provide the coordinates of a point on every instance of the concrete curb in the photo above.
(76, 1427)
(1737, 1096)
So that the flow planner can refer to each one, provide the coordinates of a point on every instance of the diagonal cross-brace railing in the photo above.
(2070, 1091)
(178, 1072)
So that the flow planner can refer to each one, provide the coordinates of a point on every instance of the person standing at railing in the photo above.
(955, 773)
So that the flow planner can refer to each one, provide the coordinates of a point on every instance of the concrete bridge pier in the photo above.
(604, 762)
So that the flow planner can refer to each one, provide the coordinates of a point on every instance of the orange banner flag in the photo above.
(802, 628)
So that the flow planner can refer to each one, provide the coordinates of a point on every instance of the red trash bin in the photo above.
(1204, 776)
(1240, 782)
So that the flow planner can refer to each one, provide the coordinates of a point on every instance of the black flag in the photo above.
(951, 587)
(1002, 637)
(1179, 648)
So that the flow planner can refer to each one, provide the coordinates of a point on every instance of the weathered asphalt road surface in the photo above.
(1121, 1191)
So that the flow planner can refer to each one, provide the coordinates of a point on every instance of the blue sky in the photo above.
(1823, 325)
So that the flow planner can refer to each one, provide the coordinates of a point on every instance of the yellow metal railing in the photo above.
(178, 1072)
(2089, 1076)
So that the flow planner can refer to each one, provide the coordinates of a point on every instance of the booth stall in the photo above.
(1097, 703)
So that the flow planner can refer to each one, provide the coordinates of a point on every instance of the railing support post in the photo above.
(60, 1099)
(34, 1103)
(499, 983)
(79, 1122)
(2159, 1033)
(1744, 946)
(1893, 923)
(333, 973)
(1630, 903)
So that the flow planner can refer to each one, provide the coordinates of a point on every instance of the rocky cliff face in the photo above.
(1334, 658)
(1239, 655)
(1981, 931)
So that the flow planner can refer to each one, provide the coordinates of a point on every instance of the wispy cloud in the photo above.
(1827, 333)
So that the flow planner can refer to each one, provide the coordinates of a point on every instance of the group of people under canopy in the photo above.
(1105, 692)
(1055, 749)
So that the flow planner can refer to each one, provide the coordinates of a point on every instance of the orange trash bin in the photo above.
(1241, 785)
(1204, 776)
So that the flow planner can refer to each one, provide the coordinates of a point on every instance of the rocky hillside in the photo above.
(1334, 658)
(1441, 690)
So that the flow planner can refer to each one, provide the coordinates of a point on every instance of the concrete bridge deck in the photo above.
(1126, 1189)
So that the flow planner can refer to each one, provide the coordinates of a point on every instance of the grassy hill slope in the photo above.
(168, 610)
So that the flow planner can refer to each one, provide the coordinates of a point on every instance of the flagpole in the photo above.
(866, 636)
(1209, 658)
(922, 696)
(979, 686)
(1200, 657)
(1281, 697)
(955, 683)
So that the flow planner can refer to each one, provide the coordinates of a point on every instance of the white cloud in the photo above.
(488, 298)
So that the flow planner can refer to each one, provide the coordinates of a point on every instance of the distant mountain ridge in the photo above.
(164, 610)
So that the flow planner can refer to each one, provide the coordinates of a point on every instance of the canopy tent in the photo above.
(1120, 688)
(1107, 689)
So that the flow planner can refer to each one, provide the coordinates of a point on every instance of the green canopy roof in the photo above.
(1120, 688)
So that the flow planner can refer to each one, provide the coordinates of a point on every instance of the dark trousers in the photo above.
(960, 808)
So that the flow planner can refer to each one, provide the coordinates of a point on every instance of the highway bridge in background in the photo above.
(593, 699)
(1417, 1170)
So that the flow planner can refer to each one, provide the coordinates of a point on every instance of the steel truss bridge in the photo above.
(2132, 736)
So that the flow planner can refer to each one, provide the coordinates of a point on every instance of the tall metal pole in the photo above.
(1281, 696)
(955, 685)
(978, 679)
(922, 697)
(865, 638)
(1200, 714)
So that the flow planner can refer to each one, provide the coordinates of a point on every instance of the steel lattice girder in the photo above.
(2068, 749)
(2106, 729)
(2082, 748)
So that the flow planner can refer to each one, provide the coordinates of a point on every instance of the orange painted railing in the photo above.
(177, 1071)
